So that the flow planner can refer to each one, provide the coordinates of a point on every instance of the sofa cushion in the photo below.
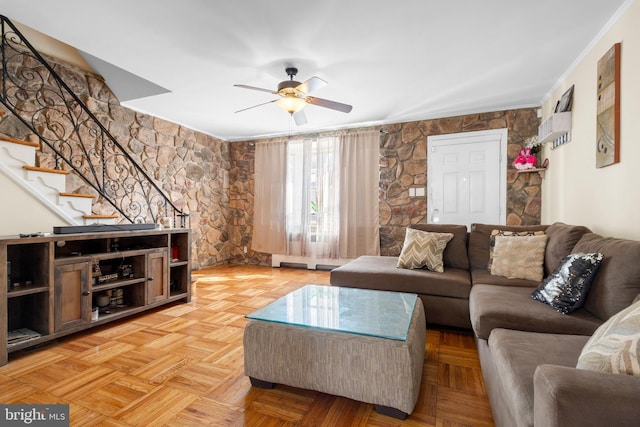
(482, 276)
(517, 354)
(479, 239)
(455, 254)
(423, 249)
(615, 346)
(492, 307)
(566, 288)
(618, 280)
(561, 238)
(519, 257)
(380, 272)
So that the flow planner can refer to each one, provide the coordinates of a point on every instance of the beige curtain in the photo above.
(298, 198)
(327, 193)
(269, 233)
(359, 182)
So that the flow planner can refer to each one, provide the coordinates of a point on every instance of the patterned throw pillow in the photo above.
(615, 346)
(567, 287)
(423, 249)
(496, 233)
(519, 257)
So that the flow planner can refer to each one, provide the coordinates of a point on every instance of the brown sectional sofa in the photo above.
(528, 351)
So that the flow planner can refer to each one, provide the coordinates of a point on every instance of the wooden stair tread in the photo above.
(86, 196)
(100, 216)
(19, 141)
(39, 169)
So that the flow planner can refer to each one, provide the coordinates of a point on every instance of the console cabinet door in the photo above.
(72, 295)
(157, 276)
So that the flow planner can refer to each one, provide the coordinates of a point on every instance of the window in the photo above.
(318, 196)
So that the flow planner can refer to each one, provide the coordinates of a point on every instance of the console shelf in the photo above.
(52, 286)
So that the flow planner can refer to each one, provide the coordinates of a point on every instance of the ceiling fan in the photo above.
(293, 96)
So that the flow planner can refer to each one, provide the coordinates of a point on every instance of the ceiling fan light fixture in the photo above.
(291, 104)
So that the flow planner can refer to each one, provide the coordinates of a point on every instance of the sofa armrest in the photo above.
(568, 396)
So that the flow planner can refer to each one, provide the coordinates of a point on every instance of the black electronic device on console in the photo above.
(99, 228)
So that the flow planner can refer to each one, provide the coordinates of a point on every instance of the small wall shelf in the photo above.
(539, 170)
(556, 129)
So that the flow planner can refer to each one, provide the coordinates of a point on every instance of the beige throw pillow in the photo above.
(519, 257)
(423, 249)
(496, 233)
(615, 346)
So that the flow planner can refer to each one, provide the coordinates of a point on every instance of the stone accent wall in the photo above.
(241, 198)
(403, 164)
(192, 168)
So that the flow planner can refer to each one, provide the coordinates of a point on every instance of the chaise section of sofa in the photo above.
(445, 296)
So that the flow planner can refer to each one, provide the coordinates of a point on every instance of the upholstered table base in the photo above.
(383, 372)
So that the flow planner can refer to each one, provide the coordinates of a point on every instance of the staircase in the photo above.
(71, 135)
(48, 186)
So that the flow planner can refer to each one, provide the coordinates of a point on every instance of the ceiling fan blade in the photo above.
(345, 108)
(264, 103)
(300, 118)
(256, 88)
(314, 83)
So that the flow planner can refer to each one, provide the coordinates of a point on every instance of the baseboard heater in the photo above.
(308, 262)
(99, 228)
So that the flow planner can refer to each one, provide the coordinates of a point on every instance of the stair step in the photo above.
(100, 216)
(86, 196)
(19, 141)
(39, 169)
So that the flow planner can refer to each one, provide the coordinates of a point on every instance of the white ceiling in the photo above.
(393, 60)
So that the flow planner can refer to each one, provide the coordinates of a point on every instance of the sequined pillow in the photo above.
(566, 288)
(423, 249)
(506, 233)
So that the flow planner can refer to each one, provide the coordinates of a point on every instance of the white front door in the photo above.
(466, 179)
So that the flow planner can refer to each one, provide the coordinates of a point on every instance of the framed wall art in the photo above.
(566, 102)
(608, 108)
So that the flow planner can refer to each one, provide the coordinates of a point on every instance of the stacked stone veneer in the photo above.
(403, 164)
(214, 180)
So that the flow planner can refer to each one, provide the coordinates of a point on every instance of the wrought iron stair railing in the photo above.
(34, 92)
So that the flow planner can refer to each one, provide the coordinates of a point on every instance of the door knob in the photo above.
(435, 216)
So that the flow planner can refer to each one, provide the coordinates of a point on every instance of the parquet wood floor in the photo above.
(182, 365)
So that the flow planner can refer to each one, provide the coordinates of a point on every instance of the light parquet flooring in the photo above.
(182, 365)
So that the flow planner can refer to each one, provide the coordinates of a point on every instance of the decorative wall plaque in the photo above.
(608, 108)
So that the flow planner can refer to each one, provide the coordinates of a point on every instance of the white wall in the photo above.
(574, 191)
(22, 213)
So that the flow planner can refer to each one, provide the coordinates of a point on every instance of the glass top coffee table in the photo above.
(363, 344)
(374, 313)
